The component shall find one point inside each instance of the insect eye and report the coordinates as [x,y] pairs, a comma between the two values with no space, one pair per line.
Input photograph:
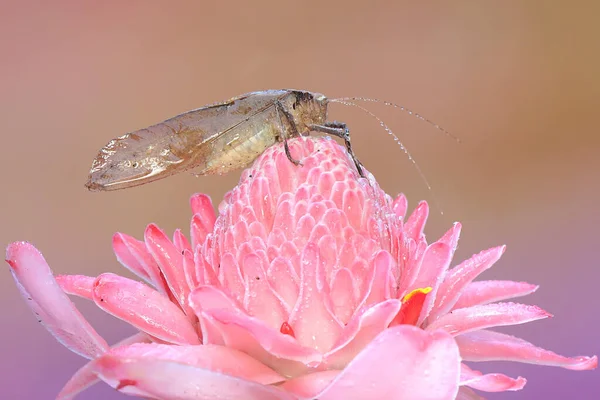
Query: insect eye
[294,105]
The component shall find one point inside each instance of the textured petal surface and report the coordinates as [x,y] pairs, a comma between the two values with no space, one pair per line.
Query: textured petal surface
[418,365]
[487,345]
[144,308]
[480,317]
[460,276]
[86,376]
[489,382]
[49,303]
[484,292]
[215,358]
[175,381]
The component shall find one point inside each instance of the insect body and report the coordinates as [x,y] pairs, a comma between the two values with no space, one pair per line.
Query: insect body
[214,139]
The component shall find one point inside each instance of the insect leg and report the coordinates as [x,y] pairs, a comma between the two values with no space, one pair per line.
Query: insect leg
[279,107]
[340,130]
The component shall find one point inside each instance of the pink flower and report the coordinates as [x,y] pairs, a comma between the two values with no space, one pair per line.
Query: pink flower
[309,284]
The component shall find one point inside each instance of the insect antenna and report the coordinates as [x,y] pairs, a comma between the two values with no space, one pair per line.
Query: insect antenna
[401,108]
[347,102]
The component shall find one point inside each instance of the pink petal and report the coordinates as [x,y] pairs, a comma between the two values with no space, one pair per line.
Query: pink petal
[77,285]
[189,271]
[144,308]
[416,222]
[271,347]
[465,393]
[49,303]
[85,377]
[436,261]
[487,345]
[400,205]
[202,207]
[479,317]
[489,382]
[172,380]
[313,322]
[260,300]
[343,294]
[309,385]
[180,241]
[360,331]
[485,292]
[215,358]
[134,256]
[170,262]
[460,276]
[250,335]
[403,362]
[379,286]
[451,237]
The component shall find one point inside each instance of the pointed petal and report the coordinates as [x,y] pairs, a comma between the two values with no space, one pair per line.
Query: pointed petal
[171,380]
[144,308]
[85,377]
[460,276]
[381,266]
[202,206]
[180,241]
[436,261]
[260,300]
[485,292]
[360,331]
[400,205]
[489,382]
[479,317]
[426,366]
[247,334]
[134,256]
[170,262]
[487,345]
[314,324]
[416,222]
[49,303]
[77,285]
[211,357]
[451,237]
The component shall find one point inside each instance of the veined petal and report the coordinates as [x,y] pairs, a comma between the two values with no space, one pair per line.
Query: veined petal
[144,308]
[49,303]
[419,365]
[489,382]
[487,345]
[479,317]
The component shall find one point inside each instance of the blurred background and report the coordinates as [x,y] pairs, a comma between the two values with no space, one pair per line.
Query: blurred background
[517,81]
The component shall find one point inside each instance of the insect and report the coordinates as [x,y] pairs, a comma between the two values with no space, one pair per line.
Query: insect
[214,139]
[222,137]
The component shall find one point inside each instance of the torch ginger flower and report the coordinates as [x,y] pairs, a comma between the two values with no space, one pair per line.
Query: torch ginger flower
[309,284]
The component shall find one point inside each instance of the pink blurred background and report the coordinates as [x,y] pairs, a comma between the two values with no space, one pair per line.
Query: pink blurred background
[517,81]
